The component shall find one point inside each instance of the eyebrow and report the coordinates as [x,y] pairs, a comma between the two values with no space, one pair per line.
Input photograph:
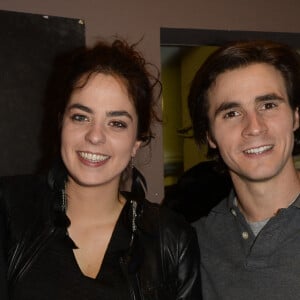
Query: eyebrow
[266,97]
[225,106]
[229,105]
[81,107]
[119,113]
[113,113]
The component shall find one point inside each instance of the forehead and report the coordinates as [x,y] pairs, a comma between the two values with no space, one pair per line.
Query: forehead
[99,77]
[99,87]
[247,82]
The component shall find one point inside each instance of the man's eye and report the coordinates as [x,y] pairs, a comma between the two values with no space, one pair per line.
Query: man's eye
[118,124]
[231,114]
[269,105]
[79,118]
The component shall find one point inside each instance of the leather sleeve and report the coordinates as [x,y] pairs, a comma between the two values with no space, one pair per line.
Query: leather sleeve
[170,270]
[181,255]
[189,283]
[3,247]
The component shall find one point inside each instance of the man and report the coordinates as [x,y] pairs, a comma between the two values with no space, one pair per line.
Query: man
[244,101]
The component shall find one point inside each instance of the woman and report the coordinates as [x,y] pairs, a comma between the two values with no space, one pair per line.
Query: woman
[73,234]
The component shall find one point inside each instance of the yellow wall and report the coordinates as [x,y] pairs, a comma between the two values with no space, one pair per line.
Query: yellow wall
[189,65]
[176,78]
[172,143]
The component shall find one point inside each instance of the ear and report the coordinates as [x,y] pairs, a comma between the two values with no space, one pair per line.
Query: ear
[296,119]
[210,140]
[136,146]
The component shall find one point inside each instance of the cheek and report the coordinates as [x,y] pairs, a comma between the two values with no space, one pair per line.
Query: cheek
[135,148]
[210,136]
[63,129]
[211,140]
[64,136]
[284,127]
[224,140]
[296,120]
[216,137]
[69,136]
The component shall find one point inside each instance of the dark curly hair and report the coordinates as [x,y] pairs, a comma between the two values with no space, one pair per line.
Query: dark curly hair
[73,70]
[122,60]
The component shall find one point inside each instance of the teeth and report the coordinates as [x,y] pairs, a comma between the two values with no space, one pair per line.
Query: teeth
[258,150]
[93,157]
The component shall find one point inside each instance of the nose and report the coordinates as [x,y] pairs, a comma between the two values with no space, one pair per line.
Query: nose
[254,124]
[95,134]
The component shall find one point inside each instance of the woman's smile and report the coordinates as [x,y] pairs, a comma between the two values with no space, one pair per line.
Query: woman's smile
[93,160]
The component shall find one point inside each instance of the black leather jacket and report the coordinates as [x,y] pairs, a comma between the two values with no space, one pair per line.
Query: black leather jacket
[166,268]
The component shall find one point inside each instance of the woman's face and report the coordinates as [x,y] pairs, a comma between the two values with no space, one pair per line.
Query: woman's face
[99,132]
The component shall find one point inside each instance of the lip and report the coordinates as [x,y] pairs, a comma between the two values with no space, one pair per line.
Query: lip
[259,150]
[92,159]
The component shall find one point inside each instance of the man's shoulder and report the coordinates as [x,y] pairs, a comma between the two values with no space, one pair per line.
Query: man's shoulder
[213,221]
[217,211]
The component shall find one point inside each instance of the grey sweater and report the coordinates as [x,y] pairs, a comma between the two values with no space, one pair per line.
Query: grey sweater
[236,264]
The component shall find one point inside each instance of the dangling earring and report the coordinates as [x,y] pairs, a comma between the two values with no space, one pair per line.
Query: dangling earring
[138,183]
[132,162]
[64,199]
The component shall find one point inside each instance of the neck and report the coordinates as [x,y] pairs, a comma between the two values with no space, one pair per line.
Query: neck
[100,203]
[262,200]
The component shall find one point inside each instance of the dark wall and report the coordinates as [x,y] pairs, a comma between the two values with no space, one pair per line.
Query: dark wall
[29,45]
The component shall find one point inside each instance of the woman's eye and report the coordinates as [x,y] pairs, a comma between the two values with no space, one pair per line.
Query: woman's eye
[118,124]
[79,118]
[231,114]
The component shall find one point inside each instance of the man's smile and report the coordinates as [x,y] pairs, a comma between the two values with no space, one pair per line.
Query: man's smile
[259,150]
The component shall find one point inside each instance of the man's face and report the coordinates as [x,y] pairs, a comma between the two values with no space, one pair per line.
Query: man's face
[251,122]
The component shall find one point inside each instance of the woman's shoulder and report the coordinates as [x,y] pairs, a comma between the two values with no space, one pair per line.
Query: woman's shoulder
[176,235]
[157,217]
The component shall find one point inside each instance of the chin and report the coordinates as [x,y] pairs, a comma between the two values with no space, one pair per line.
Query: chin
[85,181]
[262,177]
[255,175]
